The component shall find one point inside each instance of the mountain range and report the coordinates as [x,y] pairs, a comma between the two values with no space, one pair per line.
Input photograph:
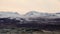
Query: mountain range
[32,19]
[39,14]
[31,13]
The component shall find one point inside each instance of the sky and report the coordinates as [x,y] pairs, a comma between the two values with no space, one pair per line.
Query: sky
[24,6]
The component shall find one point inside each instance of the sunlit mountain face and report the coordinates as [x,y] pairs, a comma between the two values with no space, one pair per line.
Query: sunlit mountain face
[32,19]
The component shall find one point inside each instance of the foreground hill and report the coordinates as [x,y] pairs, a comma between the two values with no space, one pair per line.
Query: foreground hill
[34,24]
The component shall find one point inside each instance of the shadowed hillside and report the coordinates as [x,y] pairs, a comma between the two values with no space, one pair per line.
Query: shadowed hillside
[30,23]
[41,23]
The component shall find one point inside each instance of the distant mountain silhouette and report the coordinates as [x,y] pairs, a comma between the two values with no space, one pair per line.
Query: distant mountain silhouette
[8,14]
[39,14]
[32,13]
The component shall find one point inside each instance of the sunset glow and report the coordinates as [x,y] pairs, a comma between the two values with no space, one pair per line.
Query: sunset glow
[24,6]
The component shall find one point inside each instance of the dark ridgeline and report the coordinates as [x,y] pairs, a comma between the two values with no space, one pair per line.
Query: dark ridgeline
[34,23]
[8,23]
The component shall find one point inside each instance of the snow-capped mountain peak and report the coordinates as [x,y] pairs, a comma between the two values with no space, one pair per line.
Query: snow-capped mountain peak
[39,14]
[9,14]
[33,13]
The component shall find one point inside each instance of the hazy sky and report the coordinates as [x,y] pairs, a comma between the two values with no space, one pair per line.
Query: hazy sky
[23,6]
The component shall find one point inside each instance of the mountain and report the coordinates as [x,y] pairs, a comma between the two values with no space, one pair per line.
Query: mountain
[9,14]
[32,13]
[39,14]
[39,23]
